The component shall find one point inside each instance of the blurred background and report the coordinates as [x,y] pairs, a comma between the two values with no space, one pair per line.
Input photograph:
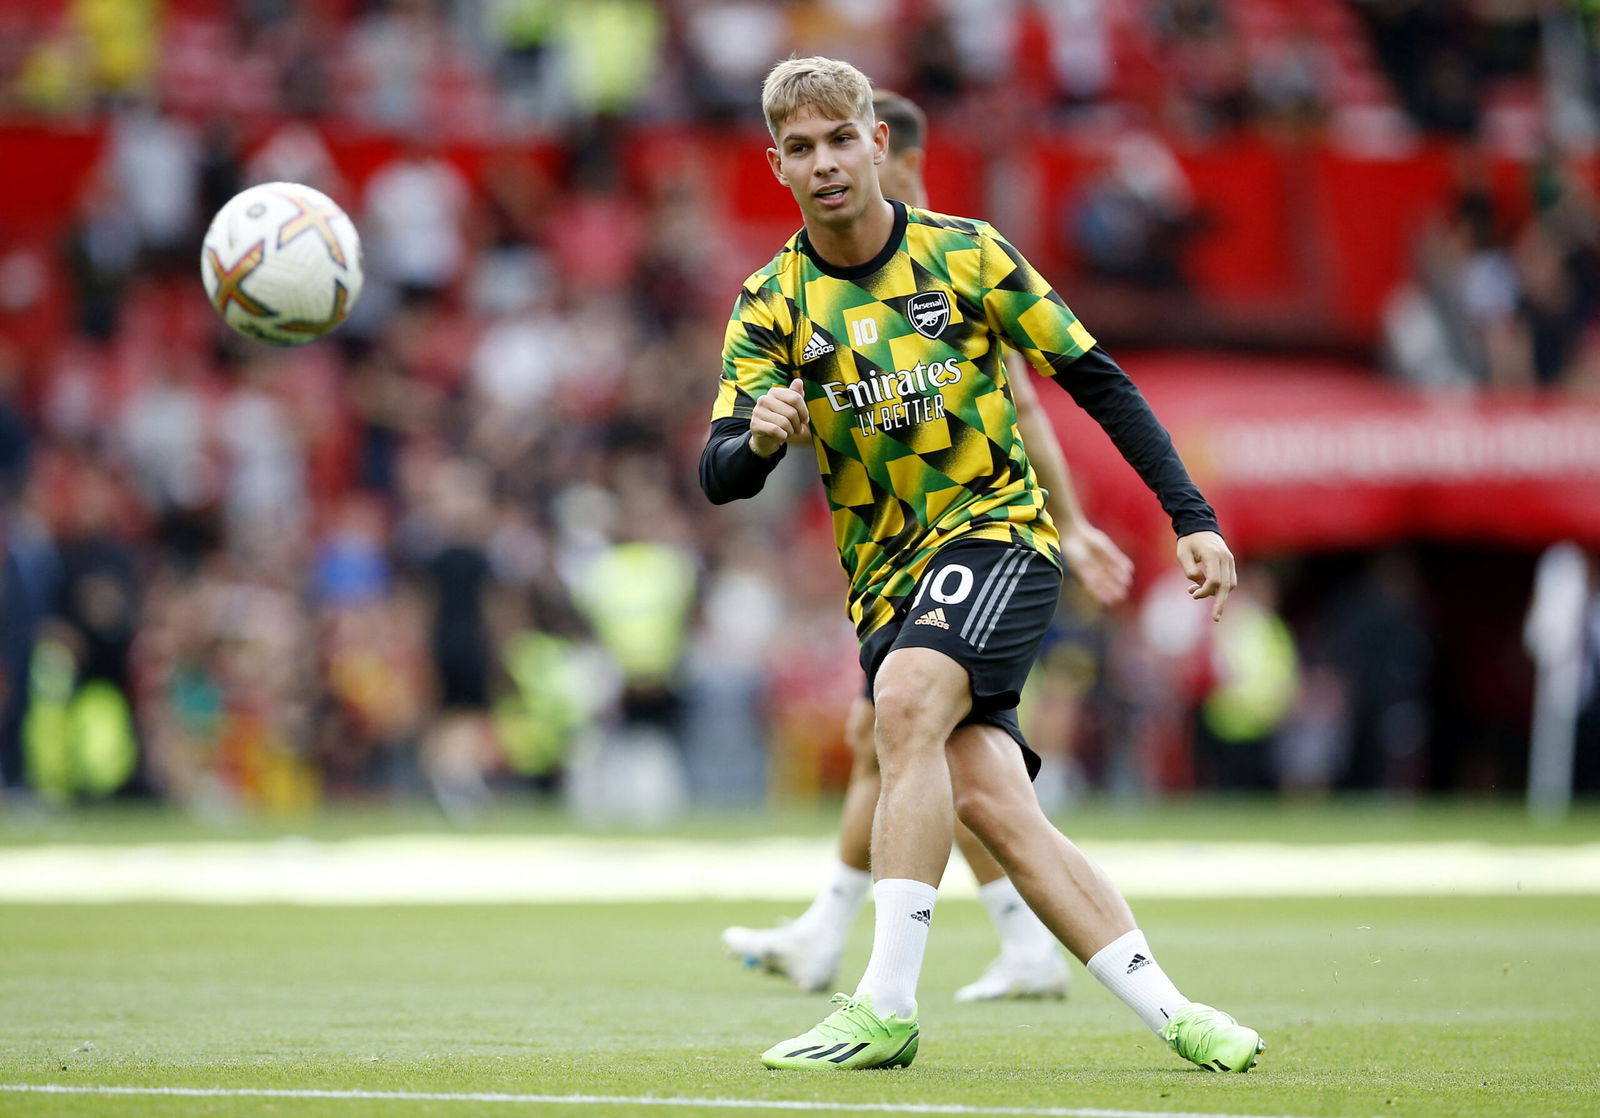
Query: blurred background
[456,555]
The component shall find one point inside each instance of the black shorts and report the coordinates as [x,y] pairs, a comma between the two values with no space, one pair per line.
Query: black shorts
[986,605]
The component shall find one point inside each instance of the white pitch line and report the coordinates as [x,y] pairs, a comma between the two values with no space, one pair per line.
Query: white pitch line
[419,869]
[617,1100]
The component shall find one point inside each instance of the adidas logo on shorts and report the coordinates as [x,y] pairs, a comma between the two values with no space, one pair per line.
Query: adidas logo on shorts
[933,617]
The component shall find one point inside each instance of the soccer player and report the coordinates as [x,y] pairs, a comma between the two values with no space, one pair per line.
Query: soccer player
[1030,963]
[878,330]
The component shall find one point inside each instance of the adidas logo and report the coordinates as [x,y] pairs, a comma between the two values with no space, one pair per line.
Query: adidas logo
[815,348]
[933,617]
[926,916]
[1136,962]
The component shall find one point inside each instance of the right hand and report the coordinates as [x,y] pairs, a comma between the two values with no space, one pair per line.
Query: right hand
[780,415]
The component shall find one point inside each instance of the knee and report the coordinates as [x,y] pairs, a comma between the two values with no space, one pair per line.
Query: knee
[903,724]
[920,695]
[896,707]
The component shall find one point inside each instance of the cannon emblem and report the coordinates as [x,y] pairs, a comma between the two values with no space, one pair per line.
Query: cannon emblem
[929,312]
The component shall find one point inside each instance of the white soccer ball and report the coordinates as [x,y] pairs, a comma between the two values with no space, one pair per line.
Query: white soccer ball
[282,263]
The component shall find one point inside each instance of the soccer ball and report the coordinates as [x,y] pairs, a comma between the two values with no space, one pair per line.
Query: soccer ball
[282,263]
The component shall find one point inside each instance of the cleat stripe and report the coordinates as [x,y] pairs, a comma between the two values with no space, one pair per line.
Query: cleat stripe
[799,1052]
[843,1056]
[827,1051]
[903,1047]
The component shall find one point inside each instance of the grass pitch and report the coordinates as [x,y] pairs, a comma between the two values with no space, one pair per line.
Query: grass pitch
[1471,1006]
[1371,1006]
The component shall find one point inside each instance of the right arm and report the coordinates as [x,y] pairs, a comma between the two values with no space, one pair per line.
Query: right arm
[740,454]
[759,408]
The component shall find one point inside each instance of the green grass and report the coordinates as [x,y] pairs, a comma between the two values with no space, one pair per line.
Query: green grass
[1470,1006]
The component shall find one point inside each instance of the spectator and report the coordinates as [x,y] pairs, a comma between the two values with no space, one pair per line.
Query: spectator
[1134,217]
[446,544]
[95,617]
[415,208]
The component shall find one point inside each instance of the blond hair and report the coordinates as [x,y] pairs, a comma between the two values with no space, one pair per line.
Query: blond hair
[835,89]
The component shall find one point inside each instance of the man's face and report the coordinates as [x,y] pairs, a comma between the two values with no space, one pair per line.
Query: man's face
[830,165]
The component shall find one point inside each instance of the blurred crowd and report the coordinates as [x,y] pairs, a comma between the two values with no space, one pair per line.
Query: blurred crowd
[458,548]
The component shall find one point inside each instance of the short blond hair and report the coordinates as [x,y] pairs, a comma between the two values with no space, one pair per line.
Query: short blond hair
[835,89]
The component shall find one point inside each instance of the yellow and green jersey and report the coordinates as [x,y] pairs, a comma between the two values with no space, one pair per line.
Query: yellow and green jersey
[912,416]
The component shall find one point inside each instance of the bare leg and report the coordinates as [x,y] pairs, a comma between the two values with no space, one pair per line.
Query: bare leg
[921,695]
[1076,901]
[1079,903]
[1030,964]
[861,796]
[981,862]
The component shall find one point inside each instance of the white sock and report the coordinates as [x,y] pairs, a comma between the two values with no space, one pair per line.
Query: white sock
[1127,967]
[899,939]
[1021,932]
[833,911]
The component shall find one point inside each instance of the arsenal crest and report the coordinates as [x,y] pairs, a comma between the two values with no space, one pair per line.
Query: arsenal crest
[929,312]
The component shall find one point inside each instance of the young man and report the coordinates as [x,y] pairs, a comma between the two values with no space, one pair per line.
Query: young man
[807,951]
[878,330]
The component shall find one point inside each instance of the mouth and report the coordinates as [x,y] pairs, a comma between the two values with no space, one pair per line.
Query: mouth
[832,194]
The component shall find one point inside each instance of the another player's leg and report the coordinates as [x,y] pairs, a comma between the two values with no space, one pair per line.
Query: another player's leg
[921,695]
[1079,903]
[807,950]
[1030,963]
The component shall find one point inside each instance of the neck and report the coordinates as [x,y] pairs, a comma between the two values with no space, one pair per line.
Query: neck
[857,242]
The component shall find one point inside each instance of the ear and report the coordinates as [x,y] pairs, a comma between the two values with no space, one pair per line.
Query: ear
[775,161]
[880,141]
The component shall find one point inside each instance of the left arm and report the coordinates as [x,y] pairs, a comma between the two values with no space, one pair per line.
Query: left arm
[1099,386]
[1025,309]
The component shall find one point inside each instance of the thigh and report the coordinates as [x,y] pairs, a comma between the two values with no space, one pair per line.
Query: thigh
[985,606]
[986,763]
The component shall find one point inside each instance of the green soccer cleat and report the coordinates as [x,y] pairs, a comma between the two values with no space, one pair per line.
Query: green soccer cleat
[850,1038]
[1212,1039]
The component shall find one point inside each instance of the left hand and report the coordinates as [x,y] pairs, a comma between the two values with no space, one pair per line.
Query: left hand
[1098,562]
[1208,564]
